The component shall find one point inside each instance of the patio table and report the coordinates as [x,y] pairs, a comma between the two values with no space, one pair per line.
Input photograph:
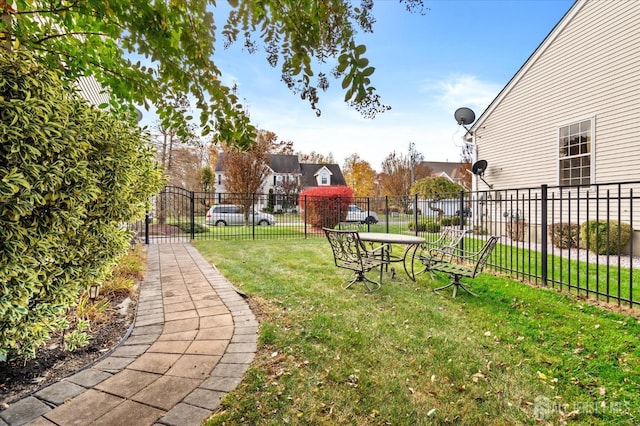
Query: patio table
[411,242]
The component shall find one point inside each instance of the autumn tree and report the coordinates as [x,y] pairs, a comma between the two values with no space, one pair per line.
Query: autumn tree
[316,158]
[435,189]
[359,176]
[415,158]
[185,168]
[245,170]
[176,42]
[466,158]
[395,177]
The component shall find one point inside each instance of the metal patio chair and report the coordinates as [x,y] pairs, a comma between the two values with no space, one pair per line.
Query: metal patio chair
[462,264]
[349,252]
[448,241]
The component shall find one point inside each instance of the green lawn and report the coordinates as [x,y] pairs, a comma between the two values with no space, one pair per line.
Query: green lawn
[406,355]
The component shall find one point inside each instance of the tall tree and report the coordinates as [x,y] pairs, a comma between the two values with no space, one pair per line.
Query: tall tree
[245,170]
[395,177]
[176,42]
[466,158]
[415,158]
[359,176]
[435,189]
[316,158]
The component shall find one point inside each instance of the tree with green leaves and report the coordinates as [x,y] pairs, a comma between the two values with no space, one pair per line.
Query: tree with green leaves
[435,189]
[176,42]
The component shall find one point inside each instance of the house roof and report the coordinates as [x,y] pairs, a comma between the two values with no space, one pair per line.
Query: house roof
[440,168]
[309,172]
[284,163]
[289,164]
[549,39]
[277,163]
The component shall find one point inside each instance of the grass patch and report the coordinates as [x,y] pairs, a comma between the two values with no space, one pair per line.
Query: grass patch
[405,355]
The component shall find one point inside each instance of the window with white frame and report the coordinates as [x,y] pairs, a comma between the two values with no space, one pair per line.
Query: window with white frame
[575,148]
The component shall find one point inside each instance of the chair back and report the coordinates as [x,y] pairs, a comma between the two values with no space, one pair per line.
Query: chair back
[450,238]
[484,253]
[347,248]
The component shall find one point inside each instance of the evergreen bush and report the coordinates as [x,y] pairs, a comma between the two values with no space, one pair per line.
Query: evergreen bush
[70,175]
[601,237]
[426,226]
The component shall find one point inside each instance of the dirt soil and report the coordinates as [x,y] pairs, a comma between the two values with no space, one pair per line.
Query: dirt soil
[22,377]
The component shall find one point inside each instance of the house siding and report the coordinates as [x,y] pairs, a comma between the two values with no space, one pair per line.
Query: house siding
[588,69]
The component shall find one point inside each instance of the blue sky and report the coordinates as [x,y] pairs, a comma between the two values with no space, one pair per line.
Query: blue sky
[460,53]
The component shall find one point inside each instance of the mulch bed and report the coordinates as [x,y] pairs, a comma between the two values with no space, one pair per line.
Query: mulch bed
[22,377]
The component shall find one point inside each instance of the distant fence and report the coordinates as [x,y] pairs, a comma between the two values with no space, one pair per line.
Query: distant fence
[541,228]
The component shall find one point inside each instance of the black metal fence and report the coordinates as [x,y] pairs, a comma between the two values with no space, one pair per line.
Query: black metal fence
[579,239]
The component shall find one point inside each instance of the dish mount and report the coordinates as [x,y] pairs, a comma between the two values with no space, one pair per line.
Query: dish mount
[464,116]
[478,169]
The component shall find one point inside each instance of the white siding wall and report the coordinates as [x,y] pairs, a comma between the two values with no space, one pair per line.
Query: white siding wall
[590,69]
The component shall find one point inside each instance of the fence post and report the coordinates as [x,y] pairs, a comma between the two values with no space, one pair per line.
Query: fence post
[192,207]
[461,218]
[386,209]
[146,228]
[544,236]
[253,216]
[415,213]
[304,201]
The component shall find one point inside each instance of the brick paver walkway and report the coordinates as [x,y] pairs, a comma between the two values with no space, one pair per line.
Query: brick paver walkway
[193,339]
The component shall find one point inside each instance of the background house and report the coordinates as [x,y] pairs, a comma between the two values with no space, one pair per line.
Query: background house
[452,171]
[287,178]
[570,114]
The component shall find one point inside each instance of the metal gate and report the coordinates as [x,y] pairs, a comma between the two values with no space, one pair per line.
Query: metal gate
[174,215]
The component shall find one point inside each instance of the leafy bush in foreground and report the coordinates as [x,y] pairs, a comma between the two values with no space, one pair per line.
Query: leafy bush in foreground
[70,175]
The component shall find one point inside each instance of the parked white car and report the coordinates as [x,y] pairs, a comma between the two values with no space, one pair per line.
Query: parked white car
[229,214]
[356,214]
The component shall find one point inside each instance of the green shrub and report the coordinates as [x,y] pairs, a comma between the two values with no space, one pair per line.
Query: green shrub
[452,221]
[564,235]
[426,226]
[602,237]
[70,174]
[325,206]
[186,227]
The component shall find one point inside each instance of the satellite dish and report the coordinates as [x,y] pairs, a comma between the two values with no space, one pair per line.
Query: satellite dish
[464,116]
[479,167]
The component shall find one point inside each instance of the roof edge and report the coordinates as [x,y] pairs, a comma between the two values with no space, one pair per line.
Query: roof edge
[544,45]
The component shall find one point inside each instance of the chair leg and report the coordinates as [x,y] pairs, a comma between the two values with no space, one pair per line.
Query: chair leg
[456,284]
[360,277]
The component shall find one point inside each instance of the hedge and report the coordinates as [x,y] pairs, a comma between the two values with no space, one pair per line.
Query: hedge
[325,206]
[602,237]
[70,175]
